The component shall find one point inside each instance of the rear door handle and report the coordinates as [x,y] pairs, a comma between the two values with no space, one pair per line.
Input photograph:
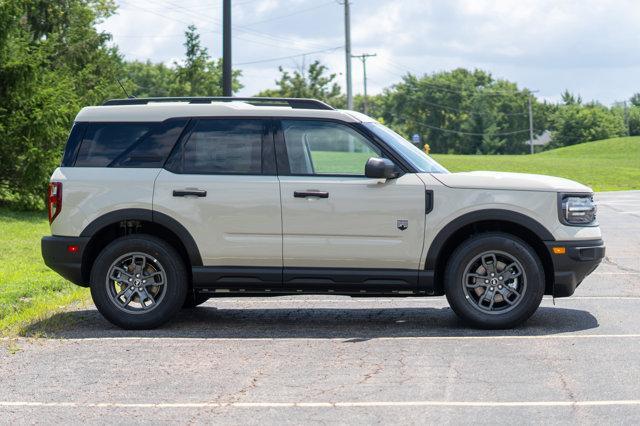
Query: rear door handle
[189,192]
[305,194]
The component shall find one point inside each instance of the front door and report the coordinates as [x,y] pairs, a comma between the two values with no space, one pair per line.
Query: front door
[333,217]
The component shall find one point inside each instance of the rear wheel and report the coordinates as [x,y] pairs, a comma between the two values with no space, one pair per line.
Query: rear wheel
[138,282]
[494,280]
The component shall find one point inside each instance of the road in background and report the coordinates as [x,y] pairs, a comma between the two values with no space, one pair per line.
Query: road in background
[342,360]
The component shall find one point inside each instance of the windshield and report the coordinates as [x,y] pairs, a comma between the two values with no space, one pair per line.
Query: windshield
[418,159]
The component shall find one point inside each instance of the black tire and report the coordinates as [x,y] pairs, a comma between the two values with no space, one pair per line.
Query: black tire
[465,287]
[168,300]
[193,300]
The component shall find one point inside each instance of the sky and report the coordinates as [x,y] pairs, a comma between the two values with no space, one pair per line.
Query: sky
[591,48]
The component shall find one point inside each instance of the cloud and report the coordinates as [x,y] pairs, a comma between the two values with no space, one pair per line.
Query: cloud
[588,46]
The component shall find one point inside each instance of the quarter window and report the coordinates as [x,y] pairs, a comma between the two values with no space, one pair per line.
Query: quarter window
[325,148]
[220,146]
[103,142]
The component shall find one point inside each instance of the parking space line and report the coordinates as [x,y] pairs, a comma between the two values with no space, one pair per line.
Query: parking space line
[615,273]
[339,339]
[354,404]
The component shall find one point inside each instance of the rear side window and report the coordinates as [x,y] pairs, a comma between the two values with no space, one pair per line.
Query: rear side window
[104,142]
[224,146]
[152,149]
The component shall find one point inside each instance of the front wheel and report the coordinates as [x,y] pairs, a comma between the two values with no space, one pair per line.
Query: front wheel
[494,280]
[138,282]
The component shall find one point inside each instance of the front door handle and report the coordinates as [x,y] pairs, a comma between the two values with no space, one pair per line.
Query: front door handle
[305,194]
[189,192]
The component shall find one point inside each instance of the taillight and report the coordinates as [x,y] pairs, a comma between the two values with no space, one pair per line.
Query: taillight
[54,200]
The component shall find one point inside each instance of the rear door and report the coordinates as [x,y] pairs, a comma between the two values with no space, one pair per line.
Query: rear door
[220,184]
[336,221]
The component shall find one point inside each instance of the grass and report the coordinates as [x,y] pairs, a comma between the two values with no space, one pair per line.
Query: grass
[340,162]
[607,165]
[29,291]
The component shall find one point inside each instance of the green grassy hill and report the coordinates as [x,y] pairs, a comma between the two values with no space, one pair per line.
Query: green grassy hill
[606,165]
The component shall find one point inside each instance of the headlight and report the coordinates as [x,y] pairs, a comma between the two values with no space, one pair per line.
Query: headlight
[578,210]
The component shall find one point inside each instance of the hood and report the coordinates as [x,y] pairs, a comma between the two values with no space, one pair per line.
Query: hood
[510,181]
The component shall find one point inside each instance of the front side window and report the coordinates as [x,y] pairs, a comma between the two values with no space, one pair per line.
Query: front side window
[224,146]
[326,148]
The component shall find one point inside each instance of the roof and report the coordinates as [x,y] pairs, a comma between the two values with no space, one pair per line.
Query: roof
[157,109]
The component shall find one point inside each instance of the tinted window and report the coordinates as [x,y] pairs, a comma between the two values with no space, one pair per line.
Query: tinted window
[317,147]
[220,146]
[73,143]
[103,142]
[152,149]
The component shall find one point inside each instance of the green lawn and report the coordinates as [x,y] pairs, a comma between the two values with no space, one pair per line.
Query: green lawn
[29,291]
[607,165]
[341,162]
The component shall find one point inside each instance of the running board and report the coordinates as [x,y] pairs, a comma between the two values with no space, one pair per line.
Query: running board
[280,281]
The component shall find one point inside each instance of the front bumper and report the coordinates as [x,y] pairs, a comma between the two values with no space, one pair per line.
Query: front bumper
[579,260]
[56,255]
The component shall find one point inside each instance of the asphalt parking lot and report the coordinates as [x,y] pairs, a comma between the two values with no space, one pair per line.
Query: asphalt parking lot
[320,359]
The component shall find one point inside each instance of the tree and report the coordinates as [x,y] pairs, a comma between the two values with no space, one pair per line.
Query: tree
[575,123]
[147,79]
[199,75]
[635,99]
[569,98]
[312,82]
[462,111]
[52,62]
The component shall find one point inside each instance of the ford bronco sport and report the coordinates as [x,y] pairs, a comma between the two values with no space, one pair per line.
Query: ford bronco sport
[162,203]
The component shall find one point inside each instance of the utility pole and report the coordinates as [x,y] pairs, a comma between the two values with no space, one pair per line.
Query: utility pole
[227,73]
[347,51]
[530,125]
[363,58]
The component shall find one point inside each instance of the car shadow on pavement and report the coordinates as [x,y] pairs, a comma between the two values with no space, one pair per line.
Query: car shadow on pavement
[355,324]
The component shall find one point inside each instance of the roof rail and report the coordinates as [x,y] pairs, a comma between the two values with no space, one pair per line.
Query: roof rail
[295,103]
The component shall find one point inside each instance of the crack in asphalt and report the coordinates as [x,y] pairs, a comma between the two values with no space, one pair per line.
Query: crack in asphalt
[611,262]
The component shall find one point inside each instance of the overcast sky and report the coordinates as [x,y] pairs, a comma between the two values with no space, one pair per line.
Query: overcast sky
[587,46]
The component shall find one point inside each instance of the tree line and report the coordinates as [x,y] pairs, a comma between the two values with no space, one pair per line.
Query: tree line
[53,62]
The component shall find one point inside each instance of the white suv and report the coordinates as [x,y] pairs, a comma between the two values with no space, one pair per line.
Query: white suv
[162,203]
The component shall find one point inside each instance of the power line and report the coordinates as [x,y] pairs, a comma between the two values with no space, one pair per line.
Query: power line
[472,133]
[157,13]
[289,57]
[275,18]
[248,32]
[453,89]
[216,22]
[508,114]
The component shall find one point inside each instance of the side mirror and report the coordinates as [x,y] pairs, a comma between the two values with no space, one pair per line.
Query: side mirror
[380,168]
